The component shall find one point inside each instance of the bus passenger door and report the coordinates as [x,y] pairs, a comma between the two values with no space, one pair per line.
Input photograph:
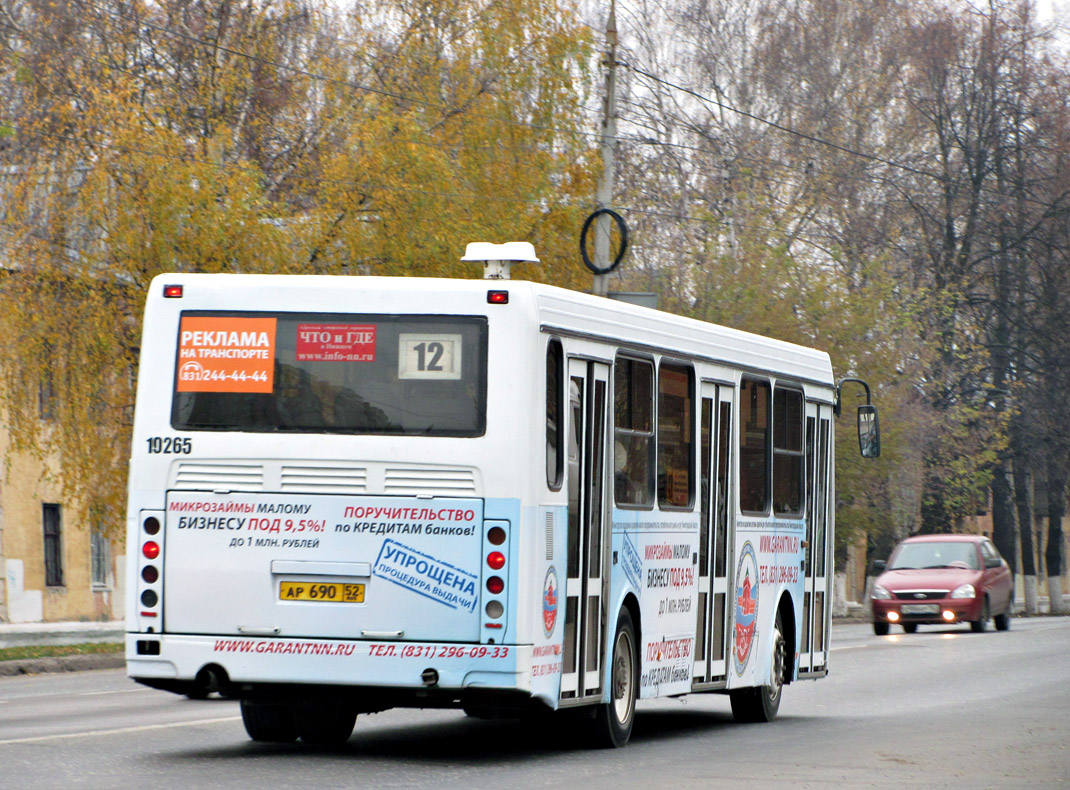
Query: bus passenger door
[585,620]
[714,533]
[813,645]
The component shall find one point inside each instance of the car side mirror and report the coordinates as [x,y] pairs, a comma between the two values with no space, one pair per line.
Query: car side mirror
[879,566]
[993,562]
[869,431]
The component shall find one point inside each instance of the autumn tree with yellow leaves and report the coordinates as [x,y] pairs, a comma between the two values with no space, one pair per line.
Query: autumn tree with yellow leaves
[279,136]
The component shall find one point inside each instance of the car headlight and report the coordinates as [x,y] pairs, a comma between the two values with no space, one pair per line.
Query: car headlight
[880,594]
[964,591]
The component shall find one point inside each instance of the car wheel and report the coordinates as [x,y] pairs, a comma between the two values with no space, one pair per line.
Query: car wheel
[977,626]
[762,703]
[1002,621]
[910,628]
[614,720]
[880,628]
[265,721]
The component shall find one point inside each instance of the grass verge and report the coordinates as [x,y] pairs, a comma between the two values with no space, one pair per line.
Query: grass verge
[50,651]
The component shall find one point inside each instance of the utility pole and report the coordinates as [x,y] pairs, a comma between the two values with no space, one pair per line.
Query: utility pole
[604,195]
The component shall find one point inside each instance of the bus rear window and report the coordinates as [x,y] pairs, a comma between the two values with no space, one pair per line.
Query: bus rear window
[331,373]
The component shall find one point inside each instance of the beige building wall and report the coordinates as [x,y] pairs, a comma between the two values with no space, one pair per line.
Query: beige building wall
[26,484]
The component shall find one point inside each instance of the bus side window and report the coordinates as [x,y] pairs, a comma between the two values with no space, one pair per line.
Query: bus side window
[787,452]
[675,414]
[633,446]
[555,448]
[754,446]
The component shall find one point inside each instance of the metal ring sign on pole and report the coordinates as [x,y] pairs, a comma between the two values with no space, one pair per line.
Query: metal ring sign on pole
[619,220]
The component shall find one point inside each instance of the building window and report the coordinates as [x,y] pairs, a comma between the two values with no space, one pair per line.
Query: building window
[46,397]
[53,544]
[100,550]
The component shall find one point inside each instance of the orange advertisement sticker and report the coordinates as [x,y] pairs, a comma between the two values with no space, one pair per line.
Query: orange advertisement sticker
[226,354]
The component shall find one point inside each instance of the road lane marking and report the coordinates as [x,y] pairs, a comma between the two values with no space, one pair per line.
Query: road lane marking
[45,695]
[118,731]
[119,691]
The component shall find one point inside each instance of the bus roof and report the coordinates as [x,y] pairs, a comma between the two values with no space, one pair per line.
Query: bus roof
[559,310]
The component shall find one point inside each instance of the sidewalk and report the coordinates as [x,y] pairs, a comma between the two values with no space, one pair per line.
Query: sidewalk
[32,634]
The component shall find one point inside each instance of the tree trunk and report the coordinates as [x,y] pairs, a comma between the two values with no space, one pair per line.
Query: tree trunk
[1053,556]
[1023,494]
[1003,525]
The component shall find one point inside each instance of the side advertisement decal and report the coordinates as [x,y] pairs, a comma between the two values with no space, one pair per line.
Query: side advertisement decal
[549,603]
[747,587]
[666,565]
[547,610]
[770,555]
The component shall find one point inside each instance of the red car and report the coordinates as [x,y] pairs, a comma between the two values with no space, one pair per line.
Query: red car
[943,579]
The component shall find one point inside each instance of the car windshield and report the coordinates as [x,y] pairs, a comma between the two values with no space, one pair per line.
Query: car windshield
[935,555]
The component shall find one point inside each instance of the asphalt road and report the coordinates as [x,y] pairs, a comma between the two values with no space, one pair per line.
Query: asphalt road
[940,708]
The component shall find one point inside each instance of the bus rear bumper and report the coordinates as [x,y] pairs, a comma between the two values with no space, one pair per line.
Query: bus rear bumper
[238,666]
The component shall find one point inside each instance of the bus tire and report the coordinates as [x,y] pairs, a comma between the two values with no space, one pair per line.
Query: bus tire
[325,725]
[761,704]
[269,722]
[614,719]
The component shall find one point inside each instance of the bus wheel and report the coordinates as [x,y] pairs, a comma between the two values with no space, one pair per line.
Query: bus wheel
[613,721]
[762,703]
[325,725]
[271,722]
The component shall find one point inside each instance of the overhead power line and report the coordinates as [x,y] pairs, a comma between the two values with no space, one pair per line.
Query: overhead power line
[780,127]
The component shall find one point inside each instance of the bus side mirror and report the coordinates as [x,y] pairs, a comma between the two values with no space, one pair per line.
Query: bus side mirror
[869,431]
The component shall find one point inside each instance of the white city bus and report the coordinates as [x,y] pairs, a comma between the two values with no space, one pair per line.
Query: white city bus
[355,493]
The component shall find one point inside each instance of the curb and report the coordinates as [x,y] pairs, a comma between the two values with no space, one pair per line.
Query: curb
[82,663]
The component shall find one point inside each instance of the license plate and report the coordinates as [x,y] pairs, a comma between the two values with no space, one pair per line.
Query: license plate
[921,608]
[330,592]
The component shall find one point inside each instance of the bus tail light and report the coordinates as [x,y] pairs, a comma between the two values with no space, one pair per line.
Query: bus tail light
[150,586]
[495,585]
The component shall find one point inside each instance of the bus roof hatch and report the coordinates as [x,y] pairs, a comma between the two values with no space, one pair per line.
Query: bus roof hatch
[497,258]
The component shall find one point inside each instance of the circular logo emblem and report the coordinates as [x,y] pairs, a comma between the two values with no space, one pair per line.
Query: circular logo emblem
[746,606]
[549,602]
